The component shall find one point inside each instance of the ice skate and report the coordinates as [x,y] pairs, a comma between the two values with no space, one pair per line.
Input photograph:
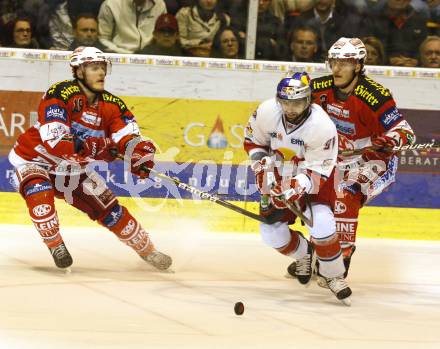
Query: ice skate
[291,271]
[305,265]
[338,285]
[158,260]
[61,256]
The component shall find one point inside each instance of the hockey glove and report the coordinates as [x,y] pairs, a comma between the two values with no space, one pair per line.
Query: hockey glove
[142,159]
[289,192]
[382,147]
[99,148]
[264,174]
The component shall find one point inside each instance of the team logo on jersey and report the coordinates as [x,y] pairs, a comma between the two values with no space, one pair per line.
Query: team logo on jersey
[296,141]
[41,210]
[340,207]
[279,136]
[323,101]
[91,119]
[344,127]
[389,117]
[37,188]
[113,217]
[77,104]
[128,229]
[55,112]
[337,111]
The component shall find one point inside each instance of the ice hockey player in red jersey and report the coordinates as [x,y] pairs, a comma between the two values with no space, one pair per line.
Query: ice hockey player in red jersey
[79,122]
[366,117]
[293,147]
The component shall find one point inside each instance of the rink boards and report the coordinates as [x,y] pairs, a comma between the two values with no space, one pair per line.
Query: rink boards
[196,117]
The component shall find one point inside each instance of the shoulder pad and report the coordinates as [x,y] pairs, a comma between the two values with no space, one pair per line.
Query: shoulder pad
[63,90]
[110,98]
[322,83]
[372,93]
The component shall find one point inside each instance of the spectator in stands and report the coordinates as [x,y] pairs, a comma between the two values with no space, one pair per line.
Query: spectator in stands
[165,38]
[60,27]
[227,44]
[270,42]
[126,26]
[85,32]
[20,35]
[198,25]
[289,9]
[331,19]
[303,44]
[375,51]
[430,52]
[401,30]
[237,10]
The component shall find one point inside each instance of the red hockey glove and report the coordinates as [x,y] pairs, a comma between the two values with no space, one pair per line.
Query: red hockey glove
[99,148]
[264,174]
[142,159]
[289,191]
[382,148]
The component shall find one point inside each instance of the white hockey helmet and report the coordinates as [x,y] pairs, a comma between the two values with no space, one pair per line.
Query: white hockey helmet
[348,48]
[84,55]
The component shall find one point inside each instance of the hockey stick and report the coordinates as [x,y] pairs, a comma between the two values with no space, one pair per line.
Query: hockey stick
[419,146]
[201,194]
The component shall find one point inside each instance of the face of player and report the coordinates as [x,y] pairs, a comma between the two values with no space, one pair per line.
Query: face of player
[94,75]
[430,54]
[229,44]
[86,31]
[292,108]
[22,33]
[343,71]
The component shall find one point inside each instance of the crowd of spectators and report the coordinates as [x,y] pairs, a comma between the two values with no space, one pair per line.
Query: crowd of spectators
[395,32]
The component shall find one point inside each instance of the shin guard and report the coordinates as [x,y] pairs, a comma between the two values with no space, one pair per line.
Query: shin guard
[40,200]
[128,230]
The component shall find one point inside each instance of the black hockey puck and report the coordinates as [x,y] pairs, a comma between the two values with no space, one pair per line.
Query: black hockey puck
[239,308]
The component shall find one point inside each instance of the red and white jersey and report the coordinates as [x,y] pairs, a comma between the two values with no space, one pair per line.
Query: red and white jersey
[369,111]
[311,145]
[65,119]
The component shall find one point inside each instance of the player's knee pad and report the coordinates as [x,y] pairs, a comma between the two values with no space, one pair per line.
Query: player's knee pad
[29,172]
[275,235]
[323,221]
[119,221]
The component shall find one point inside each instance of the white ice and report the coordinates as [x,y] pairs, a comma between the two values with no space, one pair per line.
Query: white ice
[112,299]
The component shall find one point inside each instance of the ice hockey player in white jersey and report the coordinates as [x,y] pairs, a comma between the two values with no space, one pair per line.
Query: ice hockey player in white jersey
[293,146]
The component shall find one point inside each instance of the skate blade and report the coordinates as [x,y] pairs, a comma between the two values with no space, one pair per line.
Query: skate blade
[346,301]
[67,271]
[288,276]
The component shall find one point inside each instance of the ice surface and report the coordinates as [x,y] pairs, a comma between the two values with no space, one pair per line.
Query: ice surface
[112,299]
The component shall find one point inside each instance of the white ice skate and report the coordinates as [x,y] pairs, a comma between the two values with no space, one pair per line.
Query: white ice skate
[338,285]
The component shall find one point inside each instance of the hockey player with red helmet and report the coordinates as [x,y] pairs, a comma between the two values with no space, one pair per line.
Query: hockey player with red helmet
[293,146]
[366,117]
[79,122]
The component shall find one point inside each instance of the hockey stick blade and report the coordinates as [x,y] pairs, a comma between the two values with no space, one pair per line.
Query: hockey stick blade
[417,146]
[201,194]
